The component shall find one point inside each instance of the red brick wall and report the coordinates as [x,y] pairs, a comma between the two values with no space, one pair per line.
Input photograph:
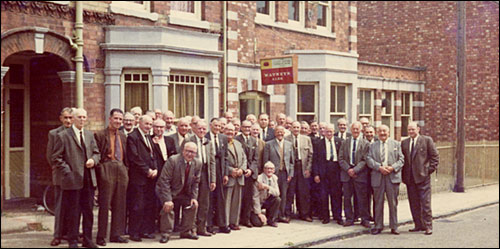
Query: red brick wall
[424,34]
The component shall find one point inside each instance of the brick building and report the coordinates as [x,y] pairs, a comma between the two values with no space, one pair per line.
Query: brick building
[423,34]
[173,55]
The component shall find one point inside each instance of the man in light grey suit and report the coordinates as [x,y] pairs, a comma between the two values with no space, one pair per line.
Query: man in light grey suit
[303,153]
[280,153]
[66,119]
[236,164]
[386,160]
[76,153]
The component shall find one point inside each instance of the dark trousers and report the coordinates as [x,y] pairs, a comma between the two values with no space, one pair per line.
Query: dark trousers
[112,184]
[59,215]
[283,186]
[247,199]
[299,189]
[203,201]
[188,216]
[350,190]
[76,202]
[271,205]
[315,197]
[217,206]
[331,187]
[419,196]
[143,210]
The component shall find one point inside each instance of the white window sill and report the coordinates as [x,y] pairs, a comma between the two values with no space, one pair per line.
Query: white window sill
[269,22]
[182,21]
[133,12]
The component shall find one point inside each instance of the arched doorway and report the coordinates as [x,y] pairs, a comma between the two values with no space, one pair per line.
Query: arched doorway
[33,99]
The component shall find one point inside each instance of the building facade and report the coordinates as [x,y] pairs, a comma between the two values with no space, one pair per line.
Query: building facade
[191,57]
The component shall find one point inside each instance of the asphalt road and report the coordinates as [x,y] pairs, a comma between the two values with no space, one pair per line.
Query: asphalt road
[477,228]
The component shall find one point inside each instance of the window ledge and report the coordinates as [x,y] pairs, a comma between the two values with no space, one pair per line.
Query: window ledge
[268,22]
[133,12]
[188,22]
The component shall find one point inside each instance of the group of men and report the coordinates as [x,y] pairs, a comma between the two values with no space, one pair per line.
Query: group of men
[201,178]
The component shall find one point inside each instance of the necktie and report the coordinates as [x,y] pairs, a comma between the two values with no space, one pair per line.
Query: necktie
[353,151]
[202,149]
[84,147]
[216,144]
[186,174]
[118,148]
[296,148]
[148,143]
[382,156]
[412,149]
[331,150]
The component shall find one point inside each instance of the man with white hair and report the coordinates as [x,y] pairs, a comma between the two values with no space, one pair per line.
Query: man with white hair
[137,112]
[267,197]
[251,118]
[128,123]
[342,133]
[168,117]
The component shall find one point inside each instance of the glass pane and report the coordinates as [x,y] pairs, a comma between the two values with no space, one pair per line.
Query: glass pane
[145,77]
[263,7]
[341,98]
[368,102]
[184,94]
[137,77]
[333,99]
[406,103]
[293,10]
[136,95]
[186,6]
[16,74]
[388,108]
[171,99]
[128,77]
[321,15]
[16,100]
[307,118]
[386,121]
[404,126]
[334,119]
[306,96]
[200,101]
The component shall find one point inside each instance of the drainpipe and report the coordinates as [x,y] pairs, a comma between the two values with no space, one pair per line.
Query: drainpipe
[78,59]
[224,47]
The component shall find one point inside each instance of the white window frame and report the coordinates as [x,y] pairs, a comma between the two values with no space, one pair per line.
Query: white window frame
[335,113]
[173,84]
[406,115]
[267,19]
[391,115]
[316,100]
[361,107]
[183,18]
[133,9]
[328,28]
[123,84]
[301,23]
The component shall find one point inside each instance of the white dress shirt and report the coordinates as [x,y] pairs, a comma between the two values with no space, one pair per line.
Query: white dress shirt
[328,145]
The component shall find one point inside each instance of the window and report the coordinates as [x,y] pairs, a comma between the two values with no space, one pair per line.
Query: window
[140,9]
[137,88]
[186,94]
[324,21]
[263,7]
[406,112]
[187,13]
[306,101]
[338,103]
[296,13]
[265,12]
[388,110]
[365,104]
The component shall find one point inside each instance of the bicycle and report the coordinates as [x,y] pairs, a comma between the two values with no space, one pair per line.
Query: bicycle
[49,199]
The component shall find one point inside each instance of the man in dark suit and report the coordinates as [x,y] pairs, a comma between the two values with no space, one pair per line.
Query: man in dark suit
[76,154]
[326,172]
[112,179]
[217,208]
[280,152]
[142,174]
[249,144]
[179,182]
[342,133]
[66,119]
[181,134]
[421,159]
[354,176]
[128,123]
[386,160]
[207,177]
[267,133]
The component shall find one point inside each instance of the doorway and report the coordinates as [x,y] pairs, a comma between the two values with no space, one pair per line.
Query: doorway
[253,102]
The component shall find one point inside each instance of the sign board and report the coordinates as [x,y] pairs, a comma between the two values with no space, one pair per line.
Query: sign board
[279,70]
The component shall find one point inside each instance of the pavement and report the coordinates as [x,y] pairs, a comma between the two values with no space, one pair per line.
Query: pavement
[296,234]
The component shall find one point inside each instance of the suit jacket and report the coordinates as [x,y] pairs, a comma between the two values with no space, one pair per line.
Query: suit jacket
[306,151]
[209,152]
[395,159]
[261,144]
[424,159]
[175,137]
[269,135]
[360,168]
[220,153]
[173,176]
[272,153]
[348,134]
[250,149]
[69,159]
[56,175]
[103,143]
[139,158]
[319,156]
[236,159]
[171,150]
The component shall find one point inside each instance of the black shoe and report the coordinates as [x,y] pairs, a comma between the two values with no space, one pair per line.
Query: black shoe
[164,239]
[247,224]
[89,244]
[348,223]
[100,241]
[416,229]
[188,236]
[147,236]
[136,238]
[284,220]
[211,230]
[224,230]
[340,222]
[55,242]
[73,244]
[376,231]
[118,239]
[428,231]
[395,231]
[204,234]
[366,224]
[272,224]
[325,221]
[234,227]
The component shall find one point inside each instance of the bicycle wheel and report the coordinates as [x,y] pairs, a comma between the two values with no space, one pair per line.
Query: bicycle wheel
[49,199]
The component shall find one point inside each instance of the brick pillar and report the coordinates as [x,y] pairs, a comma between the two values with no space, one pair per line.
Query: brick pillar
[69,86]
[377,115]
[353,26]
[397,115]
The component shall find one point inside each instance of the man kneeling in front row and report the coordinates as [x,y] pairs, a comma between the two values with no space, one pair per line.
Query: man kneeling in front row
[267,197]
[178,183]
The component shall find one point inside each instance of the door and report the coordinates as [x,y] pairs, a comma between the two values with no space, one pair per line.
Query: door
[253,102]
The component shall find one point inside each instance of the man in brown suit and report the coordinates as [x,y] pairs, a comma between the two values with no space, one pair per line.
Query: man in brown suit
[178,183]
[75,156]
[112,179]
[421,159]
